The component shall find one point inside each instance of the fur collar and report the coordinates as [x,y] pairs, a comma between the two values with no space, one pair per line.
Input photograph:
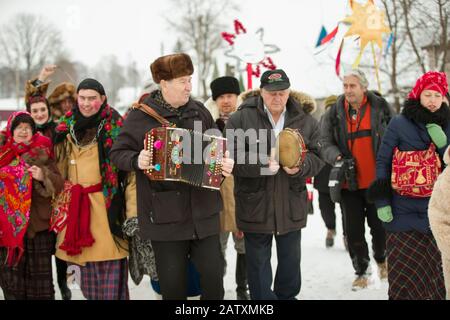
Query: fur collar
[413,110]
[307,102]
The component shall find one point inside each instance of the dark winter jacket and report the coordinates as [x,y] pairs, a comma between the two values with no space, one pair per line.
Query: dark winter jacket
[406,131]
[167,211]
[322,179]
[272,203]
[334,131]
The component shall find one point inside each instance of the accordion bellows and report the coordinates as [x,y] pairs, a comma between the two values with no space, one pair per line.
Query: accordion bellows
[183,155]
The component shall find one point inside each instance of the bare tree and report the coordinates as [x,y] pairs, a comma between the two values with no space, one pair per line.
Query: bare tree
[199,26]
[112,75]
[133,77]
[420,31]
[27,42]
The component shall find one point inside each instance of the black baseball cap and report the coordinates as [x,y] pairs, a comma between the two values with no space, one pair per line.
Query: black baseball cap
[275,80]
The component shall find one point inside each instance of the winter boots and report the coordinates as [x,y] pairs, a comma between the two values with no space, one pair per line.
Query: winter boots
[361,282]
[329,240]
[241,278]
[61,272]
[382,270]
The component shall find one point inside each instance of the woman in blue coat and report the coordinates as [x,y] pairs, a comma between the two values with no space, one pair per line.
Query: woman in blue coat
[414,261]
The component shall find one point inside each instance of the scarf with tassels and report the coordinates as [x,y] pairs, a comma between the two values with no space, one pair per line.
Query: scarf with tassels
[16,189]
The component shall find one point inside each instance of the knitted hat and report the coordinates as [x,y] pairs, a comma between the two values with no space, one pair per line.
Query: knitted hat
[91,84]
[224,85]
[431,80]
[330,101]
[171,67]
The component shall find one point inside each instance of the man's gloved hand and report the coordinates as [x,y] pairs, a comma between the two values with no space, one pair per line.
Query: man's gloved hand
[385,214]
[437,135]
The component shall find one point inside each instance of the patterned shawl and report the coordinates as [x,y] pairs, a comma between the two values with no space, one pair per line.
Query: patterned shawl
[15,189]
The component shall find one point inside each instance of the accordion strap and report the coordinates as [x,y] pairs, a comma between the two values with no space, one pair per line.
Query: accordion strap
[152,113]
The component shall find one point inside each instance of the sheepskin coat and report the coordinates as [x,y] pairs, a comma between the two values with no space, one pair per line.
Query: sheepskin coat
[439,215]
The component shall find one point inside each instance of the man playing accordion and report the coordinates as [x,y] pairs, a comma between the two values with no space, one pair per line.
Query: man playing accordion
[181,220]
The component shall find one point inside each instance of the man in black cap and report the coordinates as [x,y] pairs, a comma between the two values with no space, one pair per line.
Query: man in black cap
[272,201]
[91,237]
[223,103]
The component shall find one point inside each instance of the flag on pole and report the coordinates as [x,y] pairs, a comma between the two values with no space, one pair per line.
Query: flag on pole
[323,34]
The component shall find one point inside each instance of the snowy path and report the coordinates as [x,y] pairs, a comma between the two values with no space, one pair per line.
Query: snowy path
[327,274]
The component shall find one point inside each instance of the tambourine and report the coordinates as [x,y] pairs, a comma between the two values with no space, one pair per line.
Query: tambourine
[291,148]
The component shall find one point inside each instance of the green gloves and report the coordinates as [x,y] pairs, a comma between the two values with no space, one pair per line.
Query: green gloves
[385,214]
[437,135]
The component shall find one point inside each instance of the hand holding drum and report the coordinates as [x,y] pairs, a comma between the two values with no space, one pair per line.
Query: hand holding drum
[291,150]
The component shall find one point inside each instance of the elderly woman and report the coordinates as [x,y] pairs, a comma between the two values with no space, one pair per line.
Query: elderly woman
[28,180]
[409,161]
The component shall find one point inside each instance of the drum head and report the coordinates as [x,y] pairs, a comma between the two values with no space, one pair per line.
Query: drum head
[289,148]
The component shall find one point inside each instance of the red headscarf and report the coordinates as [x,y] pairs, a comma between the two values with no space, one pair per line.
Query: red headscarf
[11,149]
[15,188]
[432,80]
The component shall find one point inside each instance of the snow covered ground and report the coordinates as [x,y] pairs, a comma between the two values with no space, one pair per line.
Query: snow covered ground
[327,274]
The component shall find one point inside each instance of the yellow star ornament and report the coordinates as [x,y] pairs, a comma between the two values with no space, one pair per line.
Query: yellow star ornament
[367,22]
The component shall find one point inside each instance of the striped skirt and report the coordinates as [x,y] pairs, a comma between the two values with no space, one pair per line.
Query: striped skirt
[32,278]
[414,267]
[105,280]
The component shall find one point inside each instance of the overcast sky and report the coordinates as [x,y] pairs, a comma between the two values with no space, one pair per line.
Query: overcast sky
[134,30]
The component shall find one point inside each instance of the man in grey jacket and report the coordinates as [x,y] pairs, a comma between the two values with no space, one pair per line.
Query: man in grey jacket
[270,200]
[351,132]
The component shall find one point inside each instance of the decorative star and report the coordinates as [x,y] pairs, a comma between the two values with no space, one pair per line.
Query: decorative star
[367,22]
[250,48]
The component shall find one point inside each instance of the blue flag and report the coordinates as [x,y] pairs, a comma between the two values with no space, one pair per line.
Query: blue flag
[323,34]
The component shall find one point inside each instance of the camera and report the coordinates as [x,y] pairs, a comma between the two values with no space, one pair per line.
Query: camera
[343,170]
[350,174]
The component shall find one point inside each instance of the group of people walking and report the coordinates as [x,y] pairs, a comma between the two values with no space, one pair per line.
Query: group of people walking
[74,185]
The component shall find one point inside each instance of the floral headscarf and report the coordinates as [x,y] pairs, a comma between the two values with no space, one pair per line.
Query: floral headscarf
[15,188]
[432,80]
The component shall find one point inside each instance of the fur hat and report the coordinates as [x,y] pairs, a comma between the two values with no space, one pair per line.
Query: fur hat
[171,67]
[35,94]
[224,85]
[63,91]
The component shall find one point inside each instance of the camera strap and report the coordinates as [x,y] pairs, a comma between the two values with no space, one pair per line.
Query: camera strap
[353,135]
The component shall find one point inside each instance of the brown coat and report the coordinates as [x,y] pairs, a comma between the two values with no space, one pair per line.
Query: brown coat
[82,167]
[228,214]
[42,194]
[167,211]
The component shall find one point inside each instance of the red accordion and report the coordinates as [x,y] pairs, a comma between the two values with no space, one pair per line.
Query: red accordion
[183,155]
